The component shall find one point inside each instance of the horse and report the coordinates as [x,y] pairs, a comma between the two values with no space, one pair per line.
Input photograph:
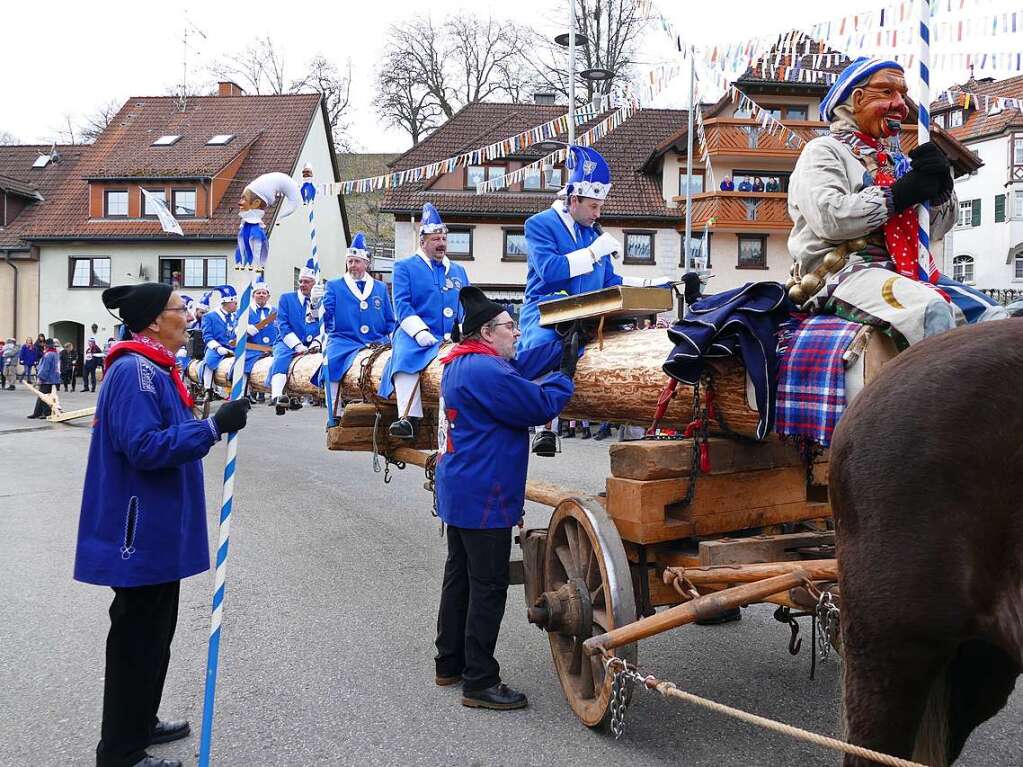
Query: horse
[926,486]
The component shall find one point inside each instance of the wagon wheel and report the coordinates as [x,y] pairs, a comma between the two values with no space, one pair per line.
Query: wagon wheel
[589,591]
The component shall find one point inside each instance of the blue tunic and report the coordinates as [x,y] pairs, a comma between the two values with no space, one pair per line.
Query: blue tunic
[218,330]
[260,344]
[354,316]
[143,516]
[425,295]
[550,236]
[297,324]
[489,404]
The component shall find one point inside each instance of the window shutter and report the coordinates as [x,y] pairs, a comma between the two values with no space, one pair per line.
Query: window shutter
[976,213]
[999,208]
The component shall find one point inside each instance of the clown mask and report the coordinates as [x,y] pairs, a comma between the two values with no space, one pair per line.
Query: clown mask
[879,106]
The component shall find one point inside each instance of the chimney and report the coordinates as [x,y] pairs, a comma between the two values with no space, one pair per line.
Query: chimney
[228,88]
[544,99]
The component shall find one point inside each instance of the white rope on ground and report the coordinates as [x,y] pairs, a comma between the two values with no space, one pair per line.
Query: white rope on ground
[669,690]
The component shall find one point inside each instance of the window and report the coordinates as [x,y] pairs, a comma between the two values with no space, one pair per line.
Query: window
[1018,268]
[553,178]
[184,203]
[939,120]
[962,269]
[776,180]
[699,256]
[795,113]
[752,251]
[1017,204]
[166,140]
[514,245]
[639,247]
[88,272]
[220,139]
[148,207]
[460,243]
[955,118]
[41,161]
[965,213]
[193,272]
[533,181]
[115,204]
[1017,150]
[476,174]
[695,182]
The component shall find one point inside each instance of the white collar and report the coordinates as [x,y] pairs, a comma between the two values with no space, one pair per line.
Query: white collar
[302,297]
[565,216]
[366,291]
[429,261]
[253,216]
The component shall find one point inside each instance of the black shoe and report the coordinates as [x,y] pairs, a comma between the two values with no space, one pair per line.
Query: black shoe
[444,680]
[155,761]
[571,433]
[601,434]
[403,428]
[500,697]
[735,614]
[545,443]
[281,404]
[33,416]
[296,403]
[586,433]
[165,732]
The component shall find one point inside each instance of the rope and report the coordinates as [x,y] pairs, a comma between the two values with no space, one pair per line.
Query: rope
[670,690]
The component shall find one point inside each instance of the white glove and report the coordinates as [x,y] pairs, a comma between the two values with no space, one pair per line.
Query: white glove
[314,347]
[316,294]
[605,245]
[425,338]
[300,349]
[252,330]
[223,351]
[656,282]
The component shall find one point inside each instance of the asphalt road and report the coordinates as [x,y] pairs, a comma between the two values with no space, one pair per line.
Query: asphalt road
[326,658]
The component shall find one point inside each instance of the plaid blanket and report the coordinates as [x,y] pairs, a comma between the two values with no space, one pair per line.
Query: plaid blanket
[811,381]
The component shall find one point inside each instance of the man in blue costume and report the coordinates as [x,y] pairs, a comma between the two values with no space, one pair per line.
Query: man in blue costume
[143,518]
[488,403]
[261,330]
[298,332]
[357,312]
[218,328]
[569,254]
[426,307]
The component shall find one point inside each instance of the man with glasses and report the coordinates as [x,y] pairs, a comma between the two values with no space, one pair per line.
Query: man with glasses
[488,403]
[425,290]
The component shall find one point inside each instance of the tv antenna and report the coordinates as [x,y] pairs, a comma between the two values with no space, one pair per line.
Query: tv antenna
[189,29]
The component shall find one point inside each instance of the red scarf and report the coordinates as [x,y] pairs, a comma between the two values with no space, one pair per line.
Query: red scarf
[154,352]
[472,346]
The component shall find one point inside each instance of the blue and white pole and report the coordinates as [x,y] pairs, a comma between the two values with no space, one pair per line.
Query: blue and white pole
[309,199]
[923,135]
[220,583]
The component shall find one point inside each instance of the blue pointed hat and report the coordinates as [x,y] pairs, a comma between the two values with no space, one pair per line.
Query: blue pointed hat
[589,175]
[358,247]
[431,221]
[308,271]
[227,293]
[187,299]
[205,300]
[852,77]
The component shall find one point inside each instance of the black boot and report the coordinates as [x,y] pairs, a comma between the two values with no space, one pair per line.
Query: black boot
[281,404]
[545,443]
[586,433]
[500,697]
[165,732]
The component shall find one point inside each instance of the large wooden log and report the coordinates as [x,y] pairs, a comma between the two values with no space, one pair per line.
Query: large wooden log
[619,383]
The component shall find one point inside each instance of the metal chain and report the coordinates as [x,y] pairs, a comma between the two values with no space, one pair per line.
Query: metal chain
[619,702]
[699,435]
[827,614]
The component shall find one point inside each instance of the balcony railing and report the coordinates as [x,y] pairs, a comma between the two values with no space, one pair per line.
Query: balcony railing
[751,211]
[735,136]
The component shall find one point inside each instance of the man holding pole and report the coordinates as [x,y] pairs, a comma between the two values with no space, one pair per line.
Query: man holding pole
[260,331]
[489,403]
[298,333]
[218,327]
[143,520]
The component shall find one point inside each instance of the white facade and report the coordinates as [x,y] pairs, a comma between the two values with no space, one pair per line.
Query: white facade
[988,255]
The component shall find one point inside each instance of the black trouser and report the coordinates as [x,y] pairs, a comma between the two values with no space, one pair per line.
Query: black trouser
[472,605]
[42,410]
[142,621]
[89,374]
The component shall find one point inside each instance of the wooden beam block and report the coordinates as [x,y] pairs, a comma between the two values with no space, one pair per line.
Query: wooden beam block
[653,459]
[759,548]
[642,501]
[654,532]
[740,491]
[745,519]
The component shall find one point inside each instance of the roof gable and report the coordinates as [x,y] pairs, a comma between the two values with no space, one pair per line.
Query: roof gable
[980,122]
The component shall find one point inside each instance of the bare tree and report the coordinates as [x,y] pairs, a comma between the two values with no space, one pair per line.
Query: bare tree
[95,123]
[8,139]
[323,77]
[258,68]
[402,100]
[613,28]
[486,55]
[422,47]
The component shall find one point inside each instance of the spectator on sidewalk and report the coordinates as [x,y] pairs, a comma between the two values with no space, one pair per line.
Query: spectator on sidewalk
[28,358]
[49,376]
[68,360]
[93,358]
[9,364]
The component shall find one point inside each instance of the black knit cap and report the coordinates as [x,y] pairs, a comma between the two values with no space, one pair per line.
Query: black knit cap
[479,310]
[138,305]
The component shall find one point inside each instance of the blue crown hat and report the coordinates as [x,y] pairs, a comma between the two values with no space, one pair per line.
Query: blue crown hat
[260,283]
[227,293]
[358,247]
[431,222]
[852,77]
[308,271]
[589,175]
[205,300]
[188,300]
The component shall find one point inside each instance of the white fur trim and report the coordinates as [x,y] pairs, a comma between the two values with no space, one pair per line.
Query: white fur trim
[413,324]
[367,291]
[635,282]
[291,340]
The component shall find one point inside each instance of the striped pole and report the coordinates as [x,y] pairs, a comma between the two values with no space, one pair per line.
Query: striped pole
[923,135]
[309,195]
[213,653]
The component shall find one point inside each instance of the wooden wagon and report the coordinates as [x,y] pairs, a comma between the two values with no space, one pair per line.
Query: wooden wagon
[753,526]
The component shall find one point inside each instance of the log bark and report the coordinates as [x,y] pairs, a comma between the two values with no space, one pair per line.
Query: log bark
[619,383]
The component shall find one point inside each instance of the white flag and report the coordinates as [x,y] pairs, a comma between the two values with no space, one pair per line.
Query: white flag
[167,221]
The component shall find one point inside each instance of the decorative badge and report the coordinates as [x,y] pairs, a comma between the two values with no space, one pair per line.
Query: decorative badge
[364,329]
[377,303]
[363,305]
[449,312]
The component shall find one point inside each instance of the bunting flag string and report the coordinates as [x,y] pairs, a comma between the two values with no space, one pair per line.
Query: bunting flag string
[701,136]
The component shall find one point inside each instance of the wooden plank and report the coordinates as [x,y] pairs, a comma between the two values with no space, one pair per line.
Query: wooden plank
[651,459]
[654,532]
[745,519]
[742,491]
[817,569]
[759,548]
[71,415]
[616,302]
[642,501]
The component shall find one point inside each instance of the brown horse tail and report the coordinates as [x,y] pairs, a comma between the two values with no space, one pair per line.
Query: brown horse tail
[932,737]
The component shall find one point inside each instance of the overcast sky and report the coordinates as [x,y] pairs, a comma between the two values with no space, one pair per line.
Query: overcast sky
[67,58]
